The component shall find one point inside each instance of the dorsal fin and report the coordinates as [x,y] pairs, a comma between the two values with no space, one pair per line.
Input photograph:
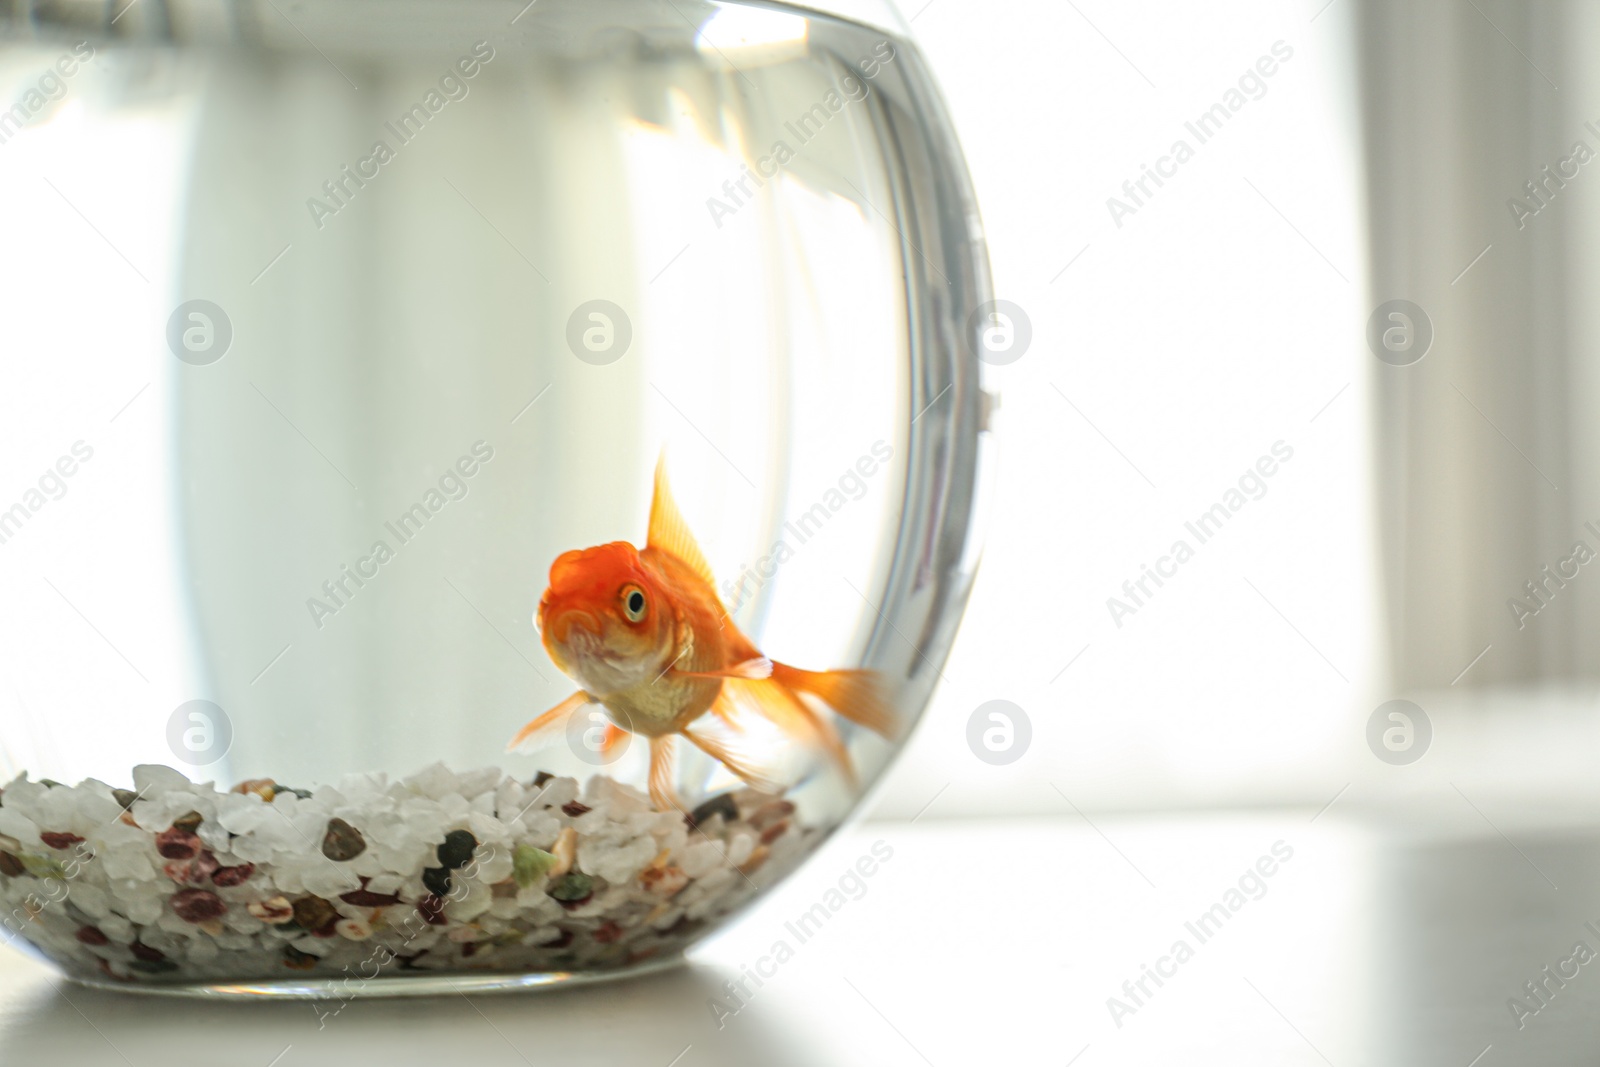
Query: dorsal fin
[669,533]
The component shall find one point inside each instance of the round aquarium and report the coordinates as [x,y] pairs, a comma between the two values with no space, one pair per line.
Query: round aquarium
[488,485]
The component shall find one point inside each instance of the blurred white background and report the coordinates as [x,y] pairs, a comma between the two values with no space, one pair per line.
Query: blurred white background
[1169,353]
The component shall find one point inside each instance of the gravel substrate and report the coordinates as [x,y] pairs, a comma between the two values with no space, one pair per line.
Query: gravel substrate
[439,872]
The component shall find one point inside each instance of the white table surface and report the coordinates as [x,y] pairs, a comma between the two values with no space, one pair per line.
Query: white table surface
[1000,942]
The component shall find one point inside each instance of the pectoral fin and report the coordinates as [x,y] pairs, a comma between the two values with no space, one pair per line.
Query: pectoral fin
[541,731]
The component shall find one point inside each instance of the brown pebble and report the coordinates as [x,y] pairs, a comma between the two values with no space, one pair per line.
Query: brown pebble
[431,908]
[91,935]
[668,881]
[178,844]
[231,876]
[342,841]
[575,809]
[296,960]
[608,932]
[189,821]
[146,953]
[541,778]
[125,797]
[775,831]
[313,913]
[275,911]
[60,841]
[10,866]
[198,905]
[265,788]
[757,857]
[197,871]
[365,898]
[776,811]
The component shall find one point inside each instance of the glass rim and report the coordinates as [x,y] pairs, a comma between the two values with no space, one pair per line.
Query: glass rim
[879,14]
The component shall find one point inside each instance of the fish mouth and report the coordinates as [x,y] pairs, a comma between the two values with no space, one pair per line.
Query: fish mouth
[577,628]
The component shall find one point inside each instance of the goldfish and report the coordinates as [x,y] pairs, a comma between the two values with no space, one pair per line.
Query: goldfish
[645,636]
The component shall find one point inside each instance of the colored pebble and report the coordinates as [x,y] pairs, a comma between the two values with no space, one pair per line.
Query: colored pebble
[776,811]
[573,888]
[575,809]
[364,898]
[162,966]
[60,841]
[529,864]
[353,929]
[313,913]
[232,876]
[296,960]
[565,850]
[91,935]
[437,879]
[456,852]
[721,804]
[758,856]
[146,953]
[431,908]
[541,778]
[275,911]
[177,844]
[342,842]
[198,905]
[189,821]
[10,866]
[125,797]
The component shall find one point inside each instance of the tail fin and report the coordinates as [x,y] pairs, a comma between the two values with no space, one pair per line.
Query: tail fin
[857,695]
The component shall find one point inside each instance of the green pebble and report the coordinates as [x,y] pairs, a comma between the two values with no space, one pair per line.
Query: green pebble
[44,867]
[573,886]
[529,864]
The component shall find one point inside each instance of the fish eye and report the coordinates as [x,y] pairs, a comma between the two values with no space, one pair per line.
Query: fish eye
[633,603]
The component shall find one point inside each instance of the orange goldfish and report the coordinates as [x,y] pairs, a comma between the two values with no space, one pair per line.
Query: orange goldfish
[644,634]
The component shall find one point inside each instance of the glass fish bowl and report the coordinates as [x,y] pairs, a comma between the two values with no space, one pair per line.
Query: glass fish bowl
[384,378]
